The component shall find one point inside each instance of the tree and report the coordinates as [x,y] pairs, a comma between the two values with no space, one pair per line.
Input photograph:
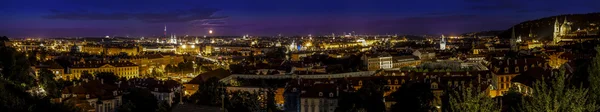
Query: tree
[512,101]
[87,75]
[552,94]
[242,101]
[156,73]
[470,99]
[413,97]
[108,77]
[594,77]
[46,81]
[127,106]
[141,100]
[371,94]
[209,92]
[16,67]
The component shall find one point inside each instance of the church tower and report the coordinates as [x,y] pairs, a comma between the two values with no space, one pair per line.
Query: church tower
[565,28]
[513,41]
[443,43]
[556,34]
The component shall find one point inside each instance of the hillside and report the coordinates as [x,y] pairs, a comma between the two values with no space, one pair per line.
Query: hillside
[542,28]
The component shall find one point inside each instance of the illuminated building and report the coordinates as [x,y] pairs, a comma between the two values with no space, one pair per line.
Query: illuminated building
[124,69]
[56,69]
[504,70]
[164,91]
[163,49]
[319,98]
[297,56]
[94,95]
[339,45]
[382,60]
[514,43]
[92,49]
[405,61]
[424,55]
[562,33]
[438,80]
[188,49]
[173,39]
[558,59]
[116,50]
[443,43]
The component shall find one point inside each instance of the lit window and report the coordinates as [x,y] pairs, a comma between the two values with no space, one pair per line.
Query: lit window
[506,70]
[516,69]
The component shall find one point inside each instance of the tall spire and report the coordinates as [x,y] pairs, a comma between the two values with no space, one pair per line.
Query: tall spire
[165,33]
[565,20]
[513,33]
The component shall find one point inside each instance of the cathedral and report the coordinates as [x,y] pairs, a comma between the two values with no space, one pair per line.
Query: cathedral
[563,33]
[560,30]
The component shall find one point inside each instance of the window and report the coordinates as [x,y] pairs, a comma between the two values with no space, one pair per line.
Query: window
[389,82]
[516,69]
[320,93]
[330,94]
[360,83]
[506,70]
[434,85]
[525,68]
[396,81]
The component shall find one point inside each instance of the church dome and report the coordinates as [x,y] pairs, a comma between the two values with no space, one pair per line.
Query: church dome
[75,48]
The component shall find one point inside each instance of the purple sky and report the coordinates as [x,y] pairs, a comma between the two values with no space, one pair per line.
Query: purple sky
[56,18]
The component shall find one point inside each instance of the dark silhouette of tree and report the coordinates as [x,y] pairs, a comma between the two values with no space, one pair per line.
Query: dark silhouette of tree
[552,94]
[141,100]
[512,101]
[470,99]
[209,92]
[16,67]
[87,75]
[107,77]
[413,97]
[46,81]
[594,77]
[242,101]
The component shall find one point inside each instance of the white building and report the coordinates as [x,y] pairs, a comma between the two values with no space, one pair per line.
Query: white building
[443,43]
[424,54]
[378,61]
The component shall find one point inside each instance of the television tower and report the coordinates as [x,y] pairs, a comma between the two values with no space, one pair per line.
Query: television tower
[165,33]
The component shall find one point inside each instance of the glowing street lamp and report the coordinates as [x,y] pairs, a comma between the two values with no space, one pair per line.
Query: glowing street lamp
[210,31]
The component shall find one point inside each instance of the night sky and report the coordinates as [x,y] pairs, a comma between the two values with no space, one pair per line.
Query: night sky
[134,18]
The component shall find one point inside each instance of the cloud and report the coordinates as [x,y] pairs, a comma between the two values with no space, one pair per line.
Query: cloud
[149,17]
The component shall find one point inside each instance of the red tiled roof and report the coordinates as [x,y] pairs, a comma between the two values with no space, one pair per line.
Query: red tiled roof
[218,73]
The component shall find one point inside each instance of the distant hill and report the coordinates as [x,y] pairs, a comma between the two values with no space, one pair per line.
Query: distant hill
[482,33]
[543,28]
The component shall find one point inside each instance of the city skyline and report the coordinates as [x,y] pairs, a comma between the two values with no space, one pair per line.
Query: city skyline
[269,18]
